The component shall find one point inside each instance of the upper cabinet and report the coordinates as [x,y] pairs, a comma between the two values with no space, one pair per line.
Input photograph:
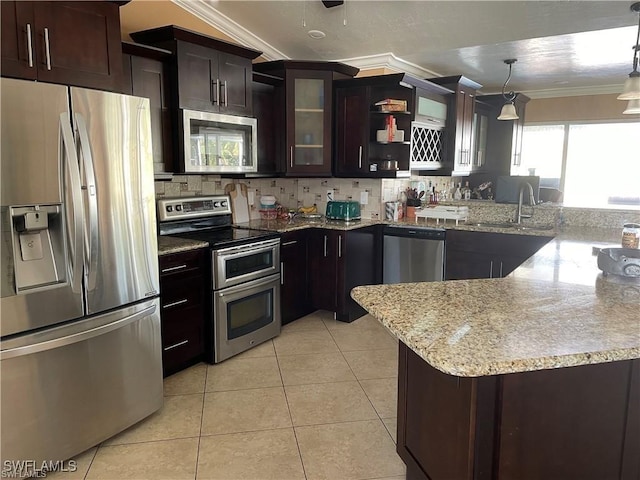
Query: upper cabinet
[459,146]
[207,74]
[373,140]
[145,75]
[74,43]
[308,113]
[504,137]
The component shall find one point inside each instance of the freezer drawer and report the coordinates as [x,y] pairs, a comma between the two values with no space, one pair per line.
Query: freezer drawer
[66,389]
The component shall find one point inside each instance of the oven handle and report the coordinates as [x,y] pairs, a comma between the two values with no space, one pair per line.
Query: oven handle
[261,282]
[235,252]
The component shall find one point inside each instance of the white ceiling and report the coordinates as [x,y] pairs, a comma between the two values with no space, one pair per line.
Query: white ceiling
[562,47]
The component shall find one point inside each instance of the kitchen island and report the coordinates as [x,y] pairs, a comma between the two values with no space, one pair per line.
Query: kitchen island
[532,376]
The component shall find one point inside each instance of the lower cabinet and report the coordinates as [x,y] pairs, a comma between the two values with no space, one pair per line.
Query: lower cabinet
[487,255]
[182,304]
[339,261]
[573,423]
[294,276]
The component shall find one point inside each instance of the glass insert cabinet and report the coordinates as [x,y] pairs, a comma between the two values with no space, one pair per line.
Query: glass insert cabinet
[308,112]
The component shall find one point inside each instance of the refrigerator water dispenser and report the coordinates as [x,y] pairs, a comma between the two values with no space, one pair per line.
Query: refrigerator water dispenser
[38,246]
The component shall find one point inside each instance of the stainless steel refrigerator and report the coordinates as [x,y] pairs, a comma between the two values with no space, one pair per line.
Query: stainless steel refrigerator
[80,355]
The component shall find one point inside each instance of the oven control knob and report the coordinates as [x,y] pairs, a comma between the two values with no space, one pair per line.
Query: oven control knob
[216,204]
[169,208]
[178,208]
[223,204]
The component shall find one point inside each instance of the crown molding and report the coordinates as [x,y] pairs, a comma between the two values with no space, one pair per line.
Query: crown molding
[205,12]
[390,61]
[573,92]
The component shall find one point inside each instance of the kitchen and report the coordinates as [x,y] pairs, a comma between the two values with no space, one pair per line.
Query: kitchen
[319,329]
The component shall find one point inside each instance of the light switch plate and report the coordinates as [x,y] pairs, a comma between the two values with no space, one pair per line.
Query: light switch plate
[364,197]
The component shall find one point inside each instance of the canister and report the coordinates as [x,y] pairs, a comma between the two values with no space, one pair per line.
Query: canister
[631,235]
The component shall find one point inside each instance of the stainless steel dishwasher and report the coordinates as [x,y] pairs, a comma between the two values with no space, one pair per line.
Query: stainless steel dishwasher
[413,254]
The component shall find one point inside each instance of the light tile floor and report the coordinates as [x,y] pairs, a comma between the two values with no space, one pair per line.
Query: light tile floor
[317,402]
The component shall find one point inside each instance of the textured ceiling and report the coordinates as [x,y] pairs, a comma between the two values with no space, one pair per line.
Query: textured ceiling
[585,46]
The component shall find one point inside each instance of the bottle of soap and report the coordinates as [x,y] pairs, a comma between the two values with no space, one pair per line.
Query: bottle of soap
[458,193]
[467,191]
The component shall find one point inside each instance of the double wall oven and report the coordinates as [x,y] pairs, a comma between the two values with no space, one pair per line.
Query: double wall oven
[245,272]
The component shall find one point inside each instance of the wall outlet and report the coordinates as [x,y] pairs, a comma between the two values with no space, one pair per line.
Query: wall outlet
[329,195]
[364,197]
[374,216]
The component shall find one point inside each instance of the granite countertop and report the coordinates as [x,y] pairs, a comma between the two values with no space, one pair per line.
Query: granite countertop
[556,310]
[167,245]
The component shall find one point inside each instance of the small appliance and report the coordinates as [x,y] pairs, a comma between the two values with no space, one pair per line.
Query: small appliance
[343,210]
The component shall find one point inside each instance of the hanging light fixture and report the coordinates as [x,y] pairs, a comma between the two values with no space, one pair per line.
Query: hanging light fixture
[633,107]
[631,89]
[508,111]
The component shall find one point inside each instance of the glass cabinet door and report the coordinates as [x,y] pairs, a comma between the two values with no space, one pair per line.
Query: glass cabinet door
[309,122]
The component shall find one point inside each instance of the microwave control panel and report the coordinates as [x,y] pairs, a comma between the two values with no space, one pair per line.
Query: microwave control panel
[184,208]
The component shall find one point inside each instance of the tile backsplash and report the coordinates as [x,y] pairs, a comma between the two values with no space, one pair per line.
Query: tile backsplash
[297,192]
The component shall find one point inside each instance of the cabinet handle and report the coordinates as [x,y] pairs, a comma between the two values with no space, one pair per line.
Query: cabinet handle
[491,269]
[281,273]
[47,48]
[226,93]
[291,155]
[173,269]
[179,344]
[173,304]
[360,157]
[339,246]
[216,92]
[325,245]
[292,242]
[500,269]
[29,46]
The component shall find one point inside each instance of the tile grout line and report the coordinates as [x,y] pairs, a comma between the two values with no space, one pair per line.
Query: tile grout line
[204,396]
[286,399]
[92,459]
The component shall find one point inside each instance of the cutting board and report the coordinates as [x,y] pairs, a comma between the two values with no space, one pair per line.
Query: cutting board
[239,201]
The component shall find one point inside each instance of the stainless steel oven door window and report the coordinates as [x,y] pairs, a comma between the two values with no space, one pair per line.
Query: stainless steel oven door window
[235,265]
[246,315]
[219,143]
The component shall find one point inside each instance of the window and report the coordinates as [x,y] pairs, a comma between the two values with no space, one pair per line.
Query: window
[596,165]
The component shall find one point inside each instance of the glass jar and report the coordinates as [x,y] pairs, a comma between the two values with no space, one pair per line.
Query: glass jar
[631,235]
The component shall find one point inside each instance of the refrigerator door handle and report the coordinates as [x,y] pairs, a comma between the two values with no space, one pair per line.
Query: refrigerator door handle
[76,337]
[71,165]
[91,231]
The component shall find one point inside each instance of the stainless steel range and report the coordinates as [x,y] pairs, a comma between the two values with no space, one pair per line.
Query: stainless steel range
[245,272]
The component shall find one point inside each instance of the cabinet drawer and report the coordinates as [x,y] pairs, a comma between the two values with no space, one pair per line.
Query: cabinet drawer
[182,340]
[176,293]
[176,263]
[180,325]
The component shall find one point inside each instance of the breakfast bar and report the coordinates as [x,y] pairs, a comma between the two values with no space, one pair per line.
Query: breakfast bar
[536,375]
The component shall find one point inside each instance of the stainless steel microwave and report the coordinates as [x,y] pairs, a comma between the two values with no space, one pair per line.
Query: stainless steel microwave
[217,143]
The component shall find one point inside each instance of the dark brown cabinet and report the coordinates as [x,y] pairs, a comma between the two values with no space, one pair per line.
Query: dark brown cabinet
[73,43]
[487,255]
[567,423]
[504,137]
[268,94]
[339,261]
[308,113]
[145,75]
[359,152]
[294,276]
[207,74]
[182,309]
[459,149]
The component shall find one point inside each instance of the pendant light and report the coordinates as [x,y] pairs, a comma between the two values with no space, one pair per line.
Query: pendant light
[508,111]
[633,107]
[631,89]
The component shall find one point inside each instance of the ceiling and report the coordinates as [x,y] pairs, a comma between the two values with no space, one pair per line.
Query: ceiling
[563,47]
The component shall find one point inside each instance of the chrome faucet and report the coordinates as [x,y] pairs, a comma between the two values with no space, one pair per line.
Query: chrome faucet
[532,202]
